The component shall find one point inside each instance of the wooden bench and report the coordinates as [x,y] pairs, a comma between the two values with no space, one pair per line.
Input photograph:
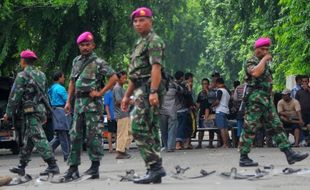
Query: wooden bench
[232,128]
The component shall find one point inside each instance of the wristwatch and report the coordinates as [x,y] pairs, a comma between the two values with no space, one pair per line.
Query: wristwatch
[153,91]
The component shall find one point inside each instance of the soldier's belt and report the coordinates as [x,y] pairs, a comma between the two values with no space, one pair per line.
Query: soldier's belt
[259,88]
[82,94]
[29,110]
[29,107]
[140,81]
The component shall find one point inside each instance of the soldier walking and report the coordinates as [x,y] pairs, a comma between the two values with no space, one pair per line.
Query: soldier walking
[88,71]
[145,83]
[260,108]
[24,95]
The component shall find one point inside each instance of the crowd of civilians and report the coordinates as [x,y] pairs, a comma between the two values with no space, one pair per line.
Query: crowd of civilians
[183,114]
[220,110]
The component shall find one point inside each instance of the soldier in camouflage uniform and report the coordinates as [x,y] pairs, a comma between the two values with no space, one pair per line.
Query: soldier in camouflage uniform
[260,108]
[25,96]
[145,84]
[88,71]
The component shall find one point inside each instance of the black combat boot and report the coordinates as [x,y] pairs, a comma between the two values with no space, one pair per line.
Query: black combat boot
[72,173]
[293,156]
[19,169]
[93,170]
[245,161]
[153,175]
[52,167]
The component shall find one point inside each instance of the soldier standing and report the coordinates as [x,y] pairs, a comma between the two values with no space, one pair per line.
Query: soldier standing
[145,83]
[24,95]
[260,107]
[88,71]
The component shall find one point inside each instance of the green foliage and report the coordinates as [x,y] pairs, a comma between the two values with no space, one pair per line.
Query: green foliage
[201,35]
[233,27]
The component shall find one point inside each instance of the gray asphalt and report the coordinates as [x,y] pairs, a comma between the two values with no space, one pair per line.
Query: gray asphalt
[221,160]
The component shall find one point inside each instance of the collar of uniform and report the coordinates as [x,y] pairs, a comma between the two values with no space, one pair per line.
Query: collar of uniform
[81,57]
[28,68]
[256,58]
[146,37]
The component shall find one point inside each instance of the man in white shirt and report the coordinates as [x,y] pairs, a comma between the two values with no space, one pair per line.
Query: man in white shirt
[222,110]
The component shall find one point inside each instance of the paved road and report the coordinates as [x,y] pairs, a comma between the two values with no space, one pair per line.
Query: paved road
[219,159]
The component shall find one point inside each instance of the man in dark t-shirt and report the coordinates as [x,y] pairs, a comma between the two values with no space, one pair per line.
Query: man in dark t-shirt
[204,112]
[303,96]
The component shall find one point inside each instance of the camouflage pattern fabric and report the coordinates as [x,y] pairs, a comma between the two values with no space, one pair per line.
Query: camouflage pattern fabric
[22,92]
[264,81]
[90,79]
[34,137]
[24,96]
[145,118]
[259,110]
[87,110]
[85,123]
[148,50]
[145,127]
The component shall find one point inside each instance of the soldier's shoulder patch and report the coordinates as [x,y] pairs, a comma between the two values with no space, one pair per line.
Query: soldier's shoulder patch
[99,60]
[22,74]
[156,42]
[76,59]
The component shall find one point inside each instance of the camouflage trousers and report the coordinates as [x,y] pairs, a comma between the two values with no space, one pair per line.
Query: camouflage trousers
[34,137]
[85,125]
[145,128]
[260,111]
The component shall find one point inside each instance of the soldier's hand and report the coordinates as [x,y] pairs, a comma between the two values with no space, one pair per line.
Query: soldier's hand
[131,102]
[67,108]
[124,104]
[268,57]
[94,94]
[6,118]
[153,99]
[301,123]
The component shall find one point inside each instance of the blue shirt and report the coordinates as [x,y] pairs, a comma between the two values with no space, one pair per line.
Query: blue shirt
[57,94]
[108,101]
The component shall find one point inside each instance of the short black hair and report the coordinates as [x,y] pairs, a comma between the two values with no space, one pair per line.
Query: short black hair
[219,80]
[236,83]
[216,74]
[121,73]
[29,61]
[205,79]
[178,75]
[57,75]
[298,77]
[305,77]
[188,75]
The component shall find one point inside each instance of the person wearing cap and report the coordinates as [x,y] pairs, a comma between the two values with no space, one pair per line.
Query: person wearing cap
[88,72]
[146,85]
[290,114]
[259,106]
[25,97]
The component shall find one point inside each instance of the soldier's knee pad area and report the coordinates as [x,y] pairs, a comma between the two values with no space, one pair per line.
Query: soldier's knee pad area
[274,131]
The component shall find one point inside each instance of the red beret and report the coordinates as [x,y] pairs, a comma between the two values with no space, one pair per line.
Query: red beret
[85,37]
[262,42]
[141,12]
[28,54]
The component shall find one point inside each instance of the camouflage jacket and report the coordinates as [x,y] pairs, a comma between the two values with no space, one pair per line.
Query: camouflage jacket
[263,82]
[148,50]
[23,92]
[90,79]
